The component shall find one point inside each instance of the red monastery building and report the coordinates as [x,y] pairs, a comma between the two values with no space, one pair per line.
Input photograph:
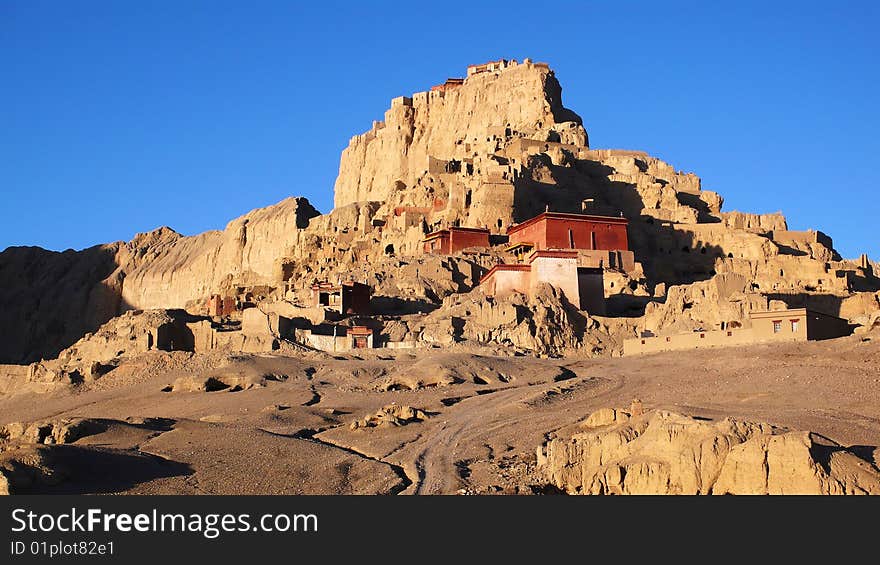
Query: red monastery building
[555,230]
[567,251]
[582,286]
[454,239]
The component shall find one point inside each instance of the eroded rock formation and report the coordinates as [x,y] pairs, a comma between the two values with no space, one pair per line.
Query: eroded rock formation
[489,151]
[390,415]
[659,452]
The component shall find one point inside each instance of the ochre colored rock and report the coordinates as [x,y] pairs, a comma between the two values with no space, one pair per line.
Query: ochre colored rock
[667,453]
[26,467]
[390,415]
[494,151]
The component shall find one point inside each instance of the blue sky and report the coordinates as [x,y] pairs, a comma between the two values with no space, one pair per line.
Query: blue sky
[119,117]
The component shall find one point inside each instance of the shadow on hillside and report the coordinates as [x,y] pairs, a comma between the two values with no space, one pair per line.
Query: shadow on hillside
[89,470]
[668,255]
[626,305]
[823,303]
[395,306]
[51,299]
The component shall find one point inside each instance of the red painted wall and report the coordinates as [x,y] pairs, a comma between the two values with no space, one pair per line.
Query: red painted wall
[356,299]
[220,306]
[534,233]
[456,240]
[552,233]
[464,239]
[441,245]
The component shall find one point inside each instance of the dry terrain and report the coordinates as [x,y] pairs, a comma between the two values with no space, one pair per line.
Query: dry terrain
[489,364]
[314,423]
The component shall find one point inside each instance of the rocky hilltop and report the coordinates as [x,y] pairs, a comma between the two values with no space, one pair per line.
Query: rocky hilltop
[426,336]
[524,101]
[488,151]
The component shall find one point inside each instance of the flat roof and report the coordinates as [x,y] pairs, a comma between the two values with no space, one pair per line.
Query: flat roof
[566,216]
[513,246]
[445,231]
[505,267]
[488,63]
[762,314]
[472,230]
[436,234]
[553,253]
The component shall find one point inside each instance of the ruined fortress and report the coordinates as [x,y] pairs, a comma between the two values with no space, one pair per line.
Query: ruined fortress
[474,212]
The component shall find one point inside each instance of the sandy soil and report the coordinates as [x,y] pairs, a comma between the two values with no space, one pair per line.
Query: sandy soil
[283,424]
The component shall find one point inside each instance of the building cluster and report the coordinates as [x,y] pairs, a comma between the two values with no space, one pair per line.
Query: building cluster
[464,202]
[490,67]
[571,252]
[337,302]
[567,251]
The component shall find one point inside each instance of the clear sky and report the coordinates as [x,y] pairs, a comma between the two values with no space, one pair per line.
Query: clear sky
[119,117]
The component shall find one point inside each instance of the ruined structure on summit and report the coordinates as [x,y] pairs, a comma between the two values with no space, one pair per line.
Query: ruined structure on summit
[498,65]
[450,84]
[445,200]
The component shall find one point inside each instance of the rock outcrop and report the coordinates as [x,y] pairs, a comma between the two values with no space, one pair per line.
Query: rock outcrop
[65,430]
[122,337]
[726,298]
[28,465]
[27,458]
[246,253]
[659,452]
[390,415]
[453,124]
[490,152]
[545,323]
[53,299]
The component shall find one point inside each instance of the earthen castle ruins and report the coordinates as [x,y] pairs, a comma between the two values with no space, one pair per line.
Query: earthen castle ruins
[473,212]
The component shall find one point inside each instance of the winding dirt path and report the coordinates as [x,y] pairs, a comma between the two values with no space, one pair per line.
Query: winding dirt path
[475,420]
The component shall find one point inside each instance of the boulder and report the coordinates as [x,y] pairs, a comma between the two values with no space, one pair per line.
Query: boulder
[390,415]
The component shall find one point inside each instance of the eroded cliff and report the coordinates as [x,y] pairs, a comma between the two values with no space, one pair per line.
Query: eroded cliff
[490,151]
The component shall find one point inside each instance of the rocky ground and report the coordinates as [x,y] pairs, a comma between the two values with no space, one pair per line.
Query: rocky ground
[429,421]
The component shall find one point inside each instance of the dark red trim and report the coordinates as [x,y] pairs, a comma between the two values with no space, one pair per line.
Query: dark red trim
[505,267]
[554,253]
[565,216]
